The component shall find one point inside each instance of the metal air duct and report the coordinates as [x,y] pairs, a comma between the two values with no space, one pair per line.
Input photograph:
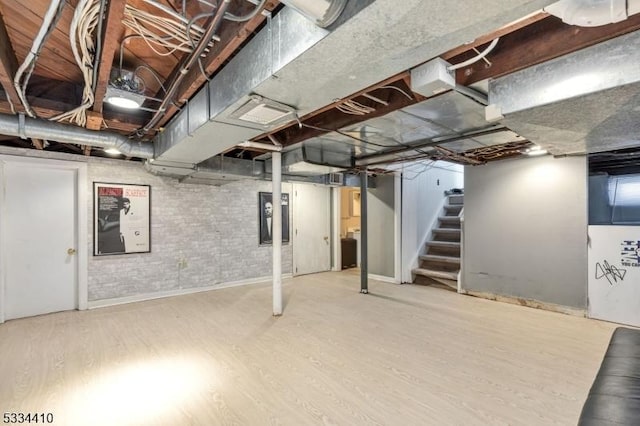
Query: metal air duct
[587,101]
[25,127]
[293,65]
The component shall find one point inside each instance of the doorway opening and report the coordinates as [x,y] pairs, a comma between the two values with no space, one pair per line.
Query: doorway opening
[350,227]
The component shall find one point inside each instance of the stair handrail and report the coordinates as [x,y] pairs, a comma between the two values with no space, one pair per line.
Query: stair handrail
[460,272]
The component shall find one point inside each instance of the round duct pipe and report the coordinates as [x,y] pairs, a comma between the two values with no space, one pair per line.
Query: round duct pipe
[591,13]
[322,12]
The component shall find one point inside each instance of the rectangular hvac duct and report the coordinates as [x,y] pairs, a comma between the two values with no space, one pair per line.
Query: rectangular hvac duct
[586,101]
[207,125]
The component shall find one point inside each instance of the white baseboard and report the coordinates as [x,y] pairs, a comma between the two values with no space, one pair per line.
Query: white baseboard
[178,292]
[382,278]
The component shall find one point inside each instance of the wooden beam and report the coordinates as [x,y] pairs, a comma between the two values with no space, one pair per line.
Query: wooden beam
[507,29]
[540,42]
[232,36]
[94,120]
[38,143]
[8,67]
[87,150]
[113,31]
[330,118]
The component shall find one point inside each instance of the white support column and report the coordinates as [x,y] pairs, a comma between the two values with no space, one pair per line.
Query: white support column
[276,180]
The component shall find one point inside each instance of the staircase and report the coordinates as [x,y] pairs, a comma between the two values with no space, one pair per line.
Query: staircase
[441,262]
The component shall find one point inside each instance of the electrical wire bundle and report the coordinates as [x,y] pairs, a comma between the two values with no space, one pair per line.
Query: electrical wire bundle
[354,108]
[174,33]
[25,70]
[81,34]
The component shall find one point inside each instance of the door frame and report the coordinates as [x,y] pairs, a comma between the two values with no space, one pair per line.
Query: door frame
[81,225]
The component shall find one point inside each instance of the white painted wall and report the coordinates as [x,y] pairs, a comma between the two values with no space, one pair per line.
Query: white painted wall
[526,229]
[422,199]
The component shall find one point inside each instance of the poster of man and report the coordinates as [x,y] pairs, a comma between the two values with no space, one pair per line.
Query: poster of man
[121,219]
[265,213]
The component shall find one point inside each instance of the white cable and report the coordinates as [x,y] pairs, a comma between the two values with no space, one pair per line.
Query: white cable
[48,18]
[83,25]
[475,59]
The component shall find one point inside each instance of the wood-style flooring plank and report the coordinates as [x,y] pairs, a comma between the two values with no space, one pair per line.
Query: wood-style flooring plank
[409,355]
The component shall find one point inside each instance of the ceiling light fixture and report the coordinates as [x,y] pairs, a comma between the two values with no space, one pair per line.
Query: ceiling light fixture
[112,151]
[535,151]
[125,90]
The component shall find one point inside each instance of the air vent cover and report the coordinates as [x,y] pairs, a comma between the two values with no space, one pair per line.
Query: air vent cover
[265,112]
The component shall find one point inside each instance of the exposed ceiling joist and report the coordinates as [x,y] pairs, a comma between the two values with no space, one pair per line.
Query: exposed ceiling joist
[38,143]
[329,118]
[542,41]
[8,67]
[113,31]
[232,36]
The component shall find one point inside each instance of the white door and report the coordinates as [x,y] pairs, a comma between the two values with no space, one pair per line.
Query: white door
[39,239]
[311,229]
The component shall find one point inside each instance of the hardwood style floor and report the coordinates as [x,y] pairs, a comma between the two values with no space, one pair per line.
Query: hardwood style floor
[402,355]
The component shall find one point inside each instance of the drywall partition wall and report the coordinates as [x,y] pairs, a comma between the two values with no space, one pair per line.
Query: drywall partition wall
[381,232]
[201,235]
[422,199]
[526,230]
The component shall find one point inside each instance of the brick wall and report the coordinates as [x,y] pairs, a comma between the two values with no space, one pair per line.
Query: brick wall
[214,229]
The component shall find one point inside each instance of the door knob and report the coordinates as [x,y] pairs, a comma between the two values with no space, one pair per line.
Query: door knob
[71,251]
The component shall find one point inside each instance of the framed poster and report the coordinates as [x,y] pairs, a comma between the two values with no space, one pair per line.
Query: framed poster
[265,213]
[121,218]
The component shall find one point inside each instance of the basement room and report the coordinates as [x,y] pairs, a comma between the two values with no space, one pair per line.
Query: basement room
[332,212]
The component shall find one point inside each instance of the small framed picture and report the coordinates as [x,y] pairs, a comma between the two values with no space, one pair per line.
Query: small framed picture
[265,215]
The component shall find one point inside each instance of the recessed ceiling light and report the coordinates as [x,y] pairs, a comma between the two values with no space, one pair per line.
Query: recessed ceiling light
[123,98]
[112,151]
[535,151]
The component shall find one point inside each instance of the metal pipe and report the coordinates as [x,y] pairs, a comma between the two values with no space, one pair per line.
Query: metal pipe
[276,234]
[322,12]
[21,126]
[190,61]
[364,255]
[259,145]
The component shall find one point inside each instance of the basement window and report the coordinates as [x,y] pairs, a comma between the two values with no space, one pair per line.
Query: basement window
[624,199]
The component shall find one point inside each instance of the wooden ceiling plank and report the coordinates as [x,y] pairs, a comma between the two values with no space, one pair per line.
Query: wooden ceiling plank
[507,29]
[232,36]
[113,31]
[540,42]
[8,67]
[290,132]
[332,119]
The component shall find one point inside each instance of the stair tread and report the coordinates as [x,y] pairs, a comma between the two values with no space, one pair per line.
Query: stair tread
[439,258]
[443,243]
[435,274]
[447,230]
[449,218]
